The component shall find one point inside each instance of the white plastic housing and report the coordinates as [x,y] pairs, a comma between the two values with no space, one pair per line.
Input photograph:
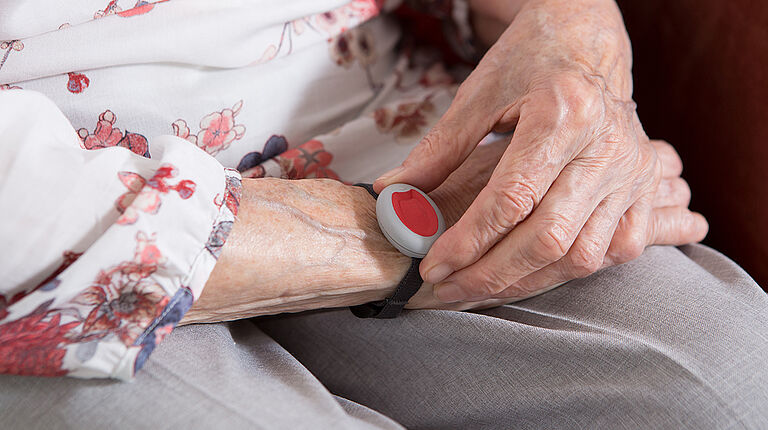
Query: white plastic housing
[396,231]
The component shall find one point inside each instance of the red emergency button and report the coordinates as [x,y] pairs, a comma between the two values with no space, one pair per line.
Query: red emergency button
[415,212]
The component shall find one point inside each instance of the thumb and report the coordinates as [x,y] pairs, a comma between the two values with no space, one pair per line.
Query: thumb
[443,148]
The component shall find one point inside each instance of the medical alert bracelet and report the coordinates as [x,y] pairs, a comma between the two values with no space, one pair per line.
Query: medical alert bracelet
[411,222]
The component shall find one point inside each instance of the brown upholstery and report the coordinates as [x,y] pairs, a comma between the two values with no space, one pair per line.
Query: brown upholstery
[701,82]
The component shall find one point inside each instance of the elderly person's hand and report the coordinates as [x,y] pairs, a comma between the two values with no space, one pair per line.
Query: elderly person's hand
[576,186]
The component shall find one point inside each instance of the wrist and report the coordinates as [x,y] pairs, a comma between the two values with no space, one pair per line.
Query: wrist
[387,265]
[300,245]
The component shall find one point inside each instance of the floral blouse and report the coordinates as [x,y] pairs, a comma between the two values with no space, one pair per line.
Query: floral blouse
[125,129]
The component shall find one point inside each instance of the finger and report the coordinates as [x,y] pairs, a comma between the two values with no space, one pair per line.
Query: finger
[672,192]
[543,238]
[469,118]
[527,169]
[664,226]
[668,226]
[630,238]
[676,226]
[585,257]
[671,163]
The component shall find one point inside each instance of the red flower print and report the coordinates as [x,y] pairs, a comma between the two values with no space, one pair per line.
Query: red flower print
[8,46]
[407,121]
[144,195]
[341,50]
[30,345]
[122,306]
[4,87]
[232,195]
[124,299]
[141,7]
[309,160]
[48,283]
[338,20]
[105,135]
[333,21]
[111,8]
[436,75]
[364,9]
[355,45]
[217,130]
[77,82]
[146,255]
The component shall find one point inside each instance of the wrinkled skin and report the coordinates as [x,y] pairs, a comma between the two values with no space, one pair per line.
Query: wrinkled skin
[315,243]
[579,186]
[670,221]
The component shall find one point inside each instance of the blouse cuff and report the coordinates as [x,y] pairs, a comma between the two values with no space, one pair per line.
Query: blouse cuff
[110,248]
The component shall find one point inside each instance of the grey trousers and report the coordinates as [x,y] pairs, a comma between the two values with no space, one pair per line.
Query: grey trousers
[675,339]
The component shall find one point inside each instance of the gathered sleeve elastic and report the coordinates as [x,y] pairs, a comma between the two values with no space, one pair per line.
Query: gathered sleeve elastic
[103,251]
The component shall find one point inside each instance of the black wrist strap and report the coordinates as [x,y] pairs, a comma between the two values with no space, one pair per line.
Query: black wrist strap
[394,304]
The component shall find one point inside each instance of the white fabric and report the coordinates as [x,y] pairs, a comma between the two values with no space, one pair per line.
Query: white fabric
[290,88]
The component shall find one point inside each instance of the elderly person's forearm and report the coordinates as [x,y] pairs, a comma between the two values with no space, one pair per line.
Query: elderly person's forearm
[300,245]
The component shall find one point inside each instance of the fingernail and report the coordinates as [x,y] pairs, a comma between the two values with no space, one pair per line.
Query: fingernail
[438,273]
[449,292]
[391,174]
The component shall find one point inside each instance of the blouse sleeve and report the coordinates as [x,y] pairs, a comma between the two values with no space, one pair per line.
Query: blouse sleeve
[103,251]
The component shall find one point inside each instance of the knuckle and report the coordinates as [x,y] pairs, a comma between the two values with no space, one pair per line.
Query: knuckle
[581,100]
[488,283]
[586,258]
[431,144]
[464,251]
[433,151]
[570,99]
[685,191]
[666,148]
[662,145]
[465,91]
[551,243]
[630,248]
[515,199]
[648,168]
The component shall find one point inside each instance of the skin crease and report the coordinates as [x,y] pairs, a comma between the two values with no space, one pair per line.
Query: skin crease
[578,186]
[314,243]
[311,244]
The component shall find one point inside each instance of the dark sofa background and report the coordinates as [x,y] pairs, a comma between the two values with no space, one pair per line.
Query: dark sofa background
[701,83]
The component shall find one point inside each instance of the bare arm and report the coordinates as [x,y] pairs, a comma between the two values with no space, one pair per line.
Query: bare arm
[315,243]
[300,245]
[310,244]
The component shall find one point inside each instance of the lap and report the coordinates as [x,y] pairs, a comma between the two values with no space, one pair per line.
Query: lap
[227,375]
[676,338]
